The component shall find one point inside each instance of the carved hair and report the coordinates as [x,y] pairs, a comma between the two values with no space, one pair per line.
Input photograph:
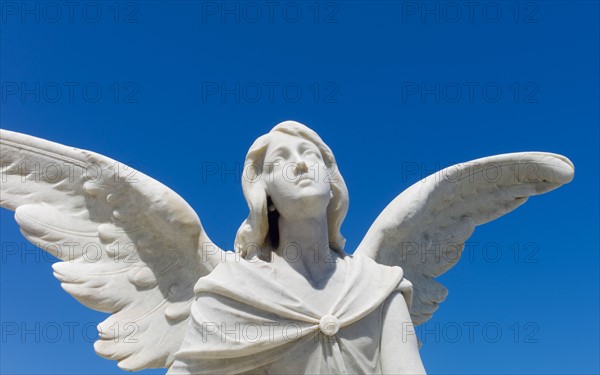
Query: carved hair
[253,233]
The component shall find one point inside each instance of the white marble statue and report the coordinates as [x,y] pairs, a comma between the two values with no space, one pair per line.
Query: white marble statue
[290,299]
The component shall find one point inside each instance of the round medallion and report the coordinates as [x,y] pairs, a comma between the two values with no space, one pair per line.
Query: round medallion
[329,325]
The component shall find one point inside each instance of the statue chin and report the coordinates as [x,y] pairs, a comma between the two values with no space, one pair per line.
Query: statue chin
[304,204]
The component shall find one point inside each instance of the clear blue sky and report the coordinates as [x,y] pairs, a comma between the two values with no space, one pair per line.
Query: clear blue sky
[397,89]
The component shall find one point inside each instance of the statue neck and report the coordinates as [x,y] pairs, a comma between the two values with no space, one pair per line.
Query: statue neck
[304,244]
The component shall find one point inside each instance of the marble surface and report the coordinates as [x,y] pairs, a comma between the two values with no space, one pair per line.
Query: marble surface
[289,299]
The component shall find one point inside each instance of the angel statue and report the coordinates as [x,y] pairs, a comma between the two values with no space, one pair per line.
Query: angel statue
[290,299]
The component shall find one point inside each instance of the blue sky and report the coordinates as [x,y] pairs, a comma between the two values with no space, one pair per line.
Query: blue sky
[397,89]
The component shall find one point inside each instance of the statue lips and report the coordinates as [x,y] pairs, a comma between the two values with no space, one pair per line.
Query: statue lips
[302,180]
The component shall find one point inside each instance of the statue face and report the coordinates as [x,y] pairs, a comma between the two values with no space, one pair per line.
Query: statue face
[295,171]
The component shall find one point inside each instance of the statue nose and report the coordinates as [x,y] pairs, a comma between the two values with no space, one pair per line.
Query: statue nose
[301,167]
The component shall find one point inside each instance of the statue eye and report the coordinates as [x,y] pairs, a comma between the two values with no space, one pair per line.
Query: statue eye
[278,160]
[312,153]
[278,157]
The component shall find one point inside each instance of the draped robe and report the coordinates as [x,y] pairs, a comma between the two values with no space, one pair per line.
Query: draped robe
[243,322]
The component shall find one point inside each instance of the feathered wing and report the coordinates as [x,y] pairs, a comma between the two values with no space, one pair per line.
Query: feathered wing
[424,229]
[129,245]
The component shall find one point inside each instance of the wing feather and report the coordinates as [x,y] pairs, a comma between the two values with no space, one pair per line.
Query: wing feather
[424,229]
[129,245]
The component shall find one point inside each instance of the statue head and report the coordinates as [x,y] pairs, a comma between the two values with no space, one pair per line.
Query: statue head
[259,230]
